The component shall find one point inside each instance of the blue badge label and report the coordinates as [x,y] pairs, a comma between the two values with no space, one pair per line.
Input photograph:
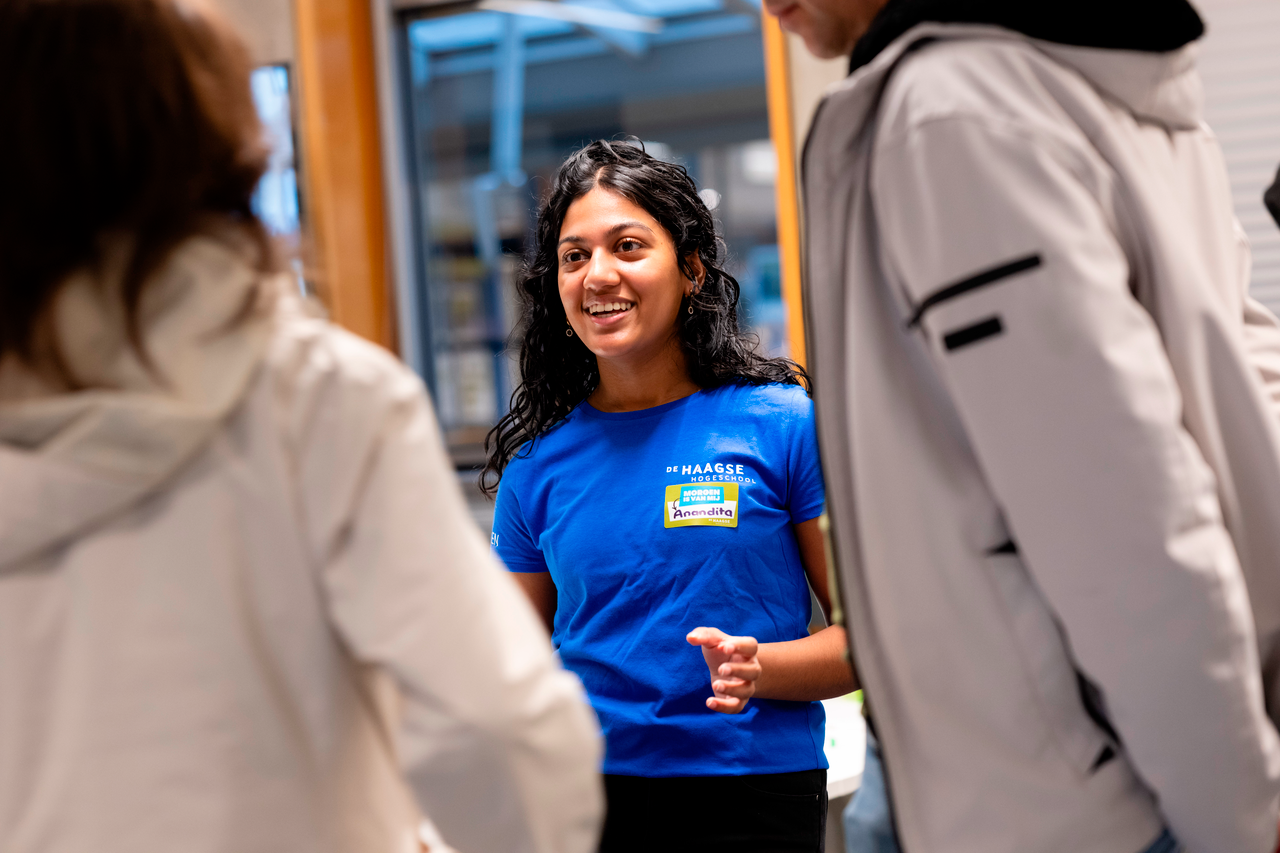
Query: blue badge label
[701,495]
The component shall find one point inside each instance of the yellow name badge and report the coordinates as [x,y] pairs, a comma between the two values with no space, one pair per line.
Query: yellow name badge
[701,505]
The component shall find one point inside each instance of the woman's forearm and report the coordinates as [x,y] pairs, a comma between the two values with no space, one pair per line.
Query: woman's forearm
[806,670]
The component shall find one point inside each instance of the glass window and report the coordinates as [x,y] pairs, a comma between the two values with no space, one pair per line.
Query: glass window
[501,94]
[276,198]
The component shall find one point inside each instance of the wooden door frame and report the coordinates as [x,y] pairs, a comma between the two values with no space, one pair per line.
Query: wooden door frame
[786,146]
[344,165]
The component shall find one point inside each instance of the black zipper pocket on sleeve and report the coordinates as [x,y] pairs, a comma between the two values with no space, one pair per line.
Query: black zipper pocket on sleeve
[979,331]
[973,282]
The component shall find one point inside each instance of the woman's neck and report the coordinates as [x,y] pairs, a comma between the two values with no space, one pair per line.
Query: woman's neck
[632,387]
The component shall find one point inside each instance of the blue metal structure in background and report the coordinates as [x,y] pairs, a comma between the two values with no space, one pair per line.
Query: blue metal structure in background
[508,102]
[577,28]
[472,41]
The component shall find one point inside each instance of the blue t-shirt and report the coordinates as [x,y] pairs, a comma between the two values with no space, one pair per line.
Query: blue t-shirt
[656,522]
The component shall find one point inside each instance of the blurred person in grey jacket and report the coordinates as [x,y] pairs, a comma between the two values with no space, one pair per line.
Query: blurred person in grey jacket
[242,606]
[1047,408]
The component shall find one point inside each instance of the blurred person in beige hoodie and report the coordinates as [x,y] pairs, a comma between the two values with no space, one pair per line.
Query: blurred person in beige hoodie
[242,606]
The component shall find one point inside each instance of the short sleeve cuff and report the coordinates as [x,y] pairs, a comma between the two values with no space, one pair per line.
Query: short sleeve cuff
[808,512]
[521,567]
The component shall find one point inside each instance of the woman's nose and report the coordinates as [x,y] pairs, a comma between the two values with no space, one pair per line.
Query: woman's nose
[601,271]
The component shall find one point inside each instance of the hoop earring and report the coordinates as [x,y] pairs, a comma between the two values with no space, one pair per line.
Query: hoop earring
[690,304]
[568,330]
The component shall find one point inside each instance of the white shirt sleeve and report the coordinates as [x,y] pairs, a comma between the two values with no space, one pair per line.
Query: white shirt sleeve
[1065,393]
[498,742]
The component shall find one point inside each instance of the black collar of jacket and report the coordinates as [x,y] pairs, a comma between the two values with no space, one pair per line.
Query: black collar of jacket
[1272,199]
[1151,26]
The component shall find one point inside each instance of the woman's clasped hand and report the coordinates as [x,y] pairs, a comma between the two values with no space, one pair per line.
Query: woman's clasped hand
[734,667]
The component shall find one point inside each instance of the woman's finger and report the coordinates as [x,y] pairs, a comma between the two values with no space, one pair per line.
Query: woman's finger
[725,688]
[746,670]
[726,706]
[705,636]
[740,648]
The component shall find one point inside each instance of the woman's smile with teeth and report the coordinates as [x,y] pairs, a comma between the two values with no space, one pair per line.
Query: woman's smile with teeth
[602,308]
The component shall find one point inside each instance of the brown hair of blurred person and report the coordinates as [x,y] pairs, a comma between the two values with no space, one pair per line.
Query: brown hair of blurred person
[128,122]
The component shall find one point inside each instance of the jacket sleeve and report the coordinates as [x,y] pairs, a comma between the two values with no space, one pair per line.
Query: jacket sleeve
[1007,260]
[497,741]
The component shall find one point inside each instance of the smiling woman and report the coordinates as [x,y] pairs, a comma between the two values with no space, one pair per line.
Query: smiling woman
[644,410]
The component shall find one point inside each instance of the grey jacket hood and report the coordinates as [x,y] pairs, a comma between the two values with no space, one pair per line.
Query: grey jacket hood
[1162,87]
[1142,55]
[69,461]
[1149,26]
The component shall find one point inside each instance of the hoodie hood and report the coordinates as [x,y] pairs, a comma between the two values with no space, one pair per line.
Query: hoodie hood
[1147,26]
[70,460]
[1161,86]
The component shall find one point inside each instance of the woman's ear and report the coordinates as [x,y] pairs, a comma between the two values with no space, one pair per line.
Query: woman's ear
[694,264]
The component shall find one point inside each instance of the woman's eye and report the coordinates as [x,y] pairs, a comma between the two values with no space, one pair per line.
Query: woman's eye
[628,245]
[573,257]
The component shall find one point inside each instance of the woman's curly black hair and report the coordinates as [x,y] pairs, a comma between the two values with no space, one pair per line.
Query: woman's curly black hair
[557,371]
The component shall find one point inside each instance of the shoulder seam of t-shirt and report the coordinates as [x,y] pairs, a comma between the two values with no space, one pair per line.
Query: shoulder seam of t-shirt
[518,458]
[790,396]
[807,514]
